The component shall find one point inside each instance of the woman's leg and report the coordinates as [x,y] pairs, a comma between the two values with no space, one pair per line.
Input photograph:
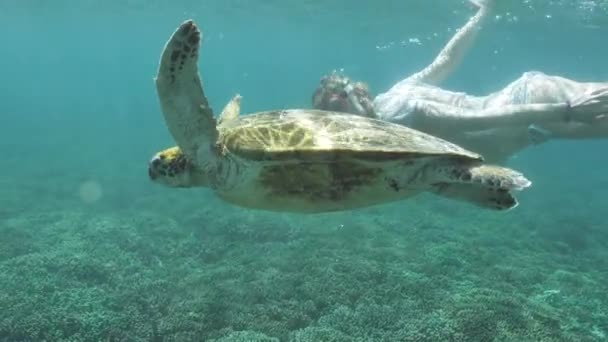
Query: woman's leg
[537,87]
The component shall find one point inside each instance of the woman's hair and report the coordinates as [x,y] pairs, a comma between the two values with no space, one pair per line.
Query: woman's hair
[335,84]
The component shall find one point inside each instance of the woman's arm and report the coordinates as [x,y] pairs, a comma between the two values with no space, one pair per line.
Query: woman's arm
[591,108]
[435,117]
[452,54]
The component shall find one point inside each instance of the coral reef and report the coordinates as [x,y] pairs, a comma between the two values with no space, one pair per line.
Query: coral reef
[185,272]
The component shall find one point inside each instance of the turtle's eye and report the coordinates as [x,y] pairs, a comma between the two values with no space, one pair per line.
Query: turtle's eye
[156,161]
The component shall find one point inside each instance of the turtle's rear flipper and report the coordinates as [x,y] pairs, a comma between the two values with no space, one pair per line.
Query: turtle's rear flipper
[488,176]
[484,185]
[499,199]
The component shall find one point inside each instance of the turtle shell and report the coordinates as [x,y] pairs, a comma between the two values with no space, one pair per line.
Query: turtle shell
[314,135]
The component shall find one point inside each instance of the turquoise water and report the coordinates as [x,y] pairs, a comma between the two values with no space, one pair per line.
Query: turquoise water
[91,250]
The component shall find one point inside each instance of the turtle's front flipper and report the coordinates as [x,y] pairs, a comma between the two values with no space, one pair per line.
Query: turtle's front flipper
[184,105]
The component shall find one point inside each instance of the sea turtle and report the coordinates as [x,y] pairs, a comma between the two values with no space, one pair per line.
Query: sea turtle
[303,160]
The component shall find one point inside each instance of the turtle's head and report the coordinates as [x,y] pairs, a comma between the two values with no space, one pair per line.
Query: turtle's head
[172,168]
[336,92]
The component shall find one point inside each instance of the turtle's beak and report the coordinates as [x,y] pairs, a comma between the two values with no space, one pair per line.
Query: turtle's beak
[153,167]
[151,173]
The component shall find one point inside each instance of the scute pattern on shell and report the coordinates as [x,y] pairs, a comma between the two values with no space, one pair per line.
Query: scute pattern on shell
[311,134]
